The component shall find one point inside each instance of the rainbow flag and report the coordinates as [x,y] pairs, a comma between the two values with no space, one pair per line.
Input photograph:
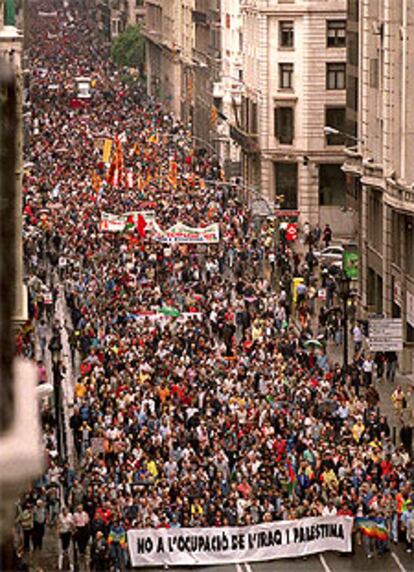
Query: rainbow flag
[372,527]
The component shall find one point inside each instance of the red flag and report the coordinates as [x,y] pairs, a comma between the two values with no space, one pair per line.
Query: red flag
[141,225]
[292,474]
[76,103]
[292,231]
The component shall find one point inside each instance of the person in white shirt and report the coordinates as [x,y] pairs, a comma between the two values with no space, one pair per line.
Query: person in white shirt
[329,509]
[368,367]
[81,523]
[357,335]
[65,527]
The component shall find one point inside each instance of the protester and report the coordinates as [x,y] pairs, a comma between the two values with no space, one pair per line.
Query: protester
[202,397]
[65,528]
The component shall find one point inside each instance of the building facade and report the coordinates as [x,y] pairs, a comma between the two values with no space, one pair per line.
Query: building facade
[11,50]
[136,12]
[168,28]
[295,79]
[228,90]
[112,17]
[207,66]
[380,168]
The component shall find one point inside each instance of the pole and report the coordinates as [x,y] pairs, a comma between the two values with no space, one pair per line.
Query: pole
[56,395]
[345,364]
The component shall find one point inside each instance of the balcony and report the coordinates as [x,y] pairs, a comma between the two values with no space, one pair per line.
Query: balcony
[248,141]
[353,162]
[399,196]
[154,36]
[199,18]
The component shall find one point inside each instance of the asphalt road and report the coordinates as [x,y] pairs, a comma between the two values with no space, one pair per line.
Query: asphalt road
[396,561]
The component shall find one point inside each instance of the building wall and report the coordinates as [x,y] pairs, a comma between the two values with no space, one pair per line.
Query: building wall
[265,52]
[227,91]
[11,47]
[168,28]
[136,12]
[207,62]
[382,166]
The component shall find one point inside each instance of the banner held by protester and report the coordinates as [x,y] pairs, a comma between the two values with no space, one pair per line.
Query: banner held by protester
[183,234]
[210,546]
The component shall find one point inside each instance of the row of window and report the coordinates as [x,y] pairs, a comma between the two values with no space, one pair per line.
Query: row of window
[284,124]
[332,184]
[335,33]
[335,75]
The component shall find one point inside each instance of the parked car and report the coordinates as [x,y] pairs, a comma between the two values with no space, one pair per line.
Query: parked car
[333,253]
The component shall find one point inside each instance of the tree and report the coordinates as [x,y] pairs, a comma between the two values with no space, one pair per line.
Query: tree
[129,48]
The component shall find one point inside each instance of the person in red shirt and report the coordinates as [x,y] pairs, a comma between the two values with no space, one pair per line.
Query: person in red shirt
[344,511]
[104,514]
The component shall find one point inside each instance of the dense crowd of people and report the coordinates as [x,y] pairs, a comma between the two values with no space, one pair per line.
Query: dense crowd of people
[201,399]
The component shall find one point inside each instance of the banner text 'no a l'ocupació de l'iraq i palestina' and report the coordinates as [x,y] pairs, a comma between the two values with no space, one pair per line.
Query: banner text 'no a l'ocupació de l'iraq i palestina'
[207,546]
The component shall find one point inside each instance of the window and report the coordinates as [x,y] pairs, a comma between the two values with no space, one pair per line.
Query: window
[286,76]
[336,33]
[409,237]
[228,21]
[396,250]
[284,124]
[335,76]
[375,220]
[335,117]
[286,34]
[374,73]
[332,186]
[286,183]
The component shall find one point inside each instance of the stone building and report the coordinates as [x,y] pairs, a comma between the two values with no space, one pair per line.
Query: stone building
[168,29]
[20,439]
[194,65]
[380,168]
[228,90]
[11,48]
[295,80]
[112,17]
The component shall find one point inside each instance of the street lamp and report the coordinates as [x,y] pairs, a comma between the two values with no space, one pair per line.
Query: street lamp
[328,130]
[344,293]
[55,348]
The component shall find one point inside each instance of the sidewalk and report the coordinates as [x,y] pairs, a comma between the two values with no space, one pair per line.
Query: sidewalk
[384,388]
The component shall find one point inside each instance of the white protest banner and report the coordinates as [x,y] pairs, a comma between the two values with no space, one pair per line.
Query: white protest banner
[229,545]
[183,234]
[162,318]
[116,223]
[112,223]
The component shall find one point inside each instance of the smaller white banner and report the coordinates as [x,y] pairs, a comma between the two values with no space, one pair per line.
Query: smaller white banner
[116,223]
[229,545]
[183,234]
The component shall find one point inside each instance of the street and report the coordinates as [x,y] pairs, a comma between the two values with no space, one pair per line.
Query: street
[214,398]
[395,561]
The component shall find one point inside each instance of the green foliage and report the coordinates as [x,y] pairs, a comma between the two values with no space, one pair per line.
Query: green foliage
[129,48]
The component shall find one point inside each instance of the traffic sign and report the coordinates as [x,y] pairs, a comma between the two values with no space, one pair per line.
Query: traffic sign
[350,265]
[292,231]
[385,335]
